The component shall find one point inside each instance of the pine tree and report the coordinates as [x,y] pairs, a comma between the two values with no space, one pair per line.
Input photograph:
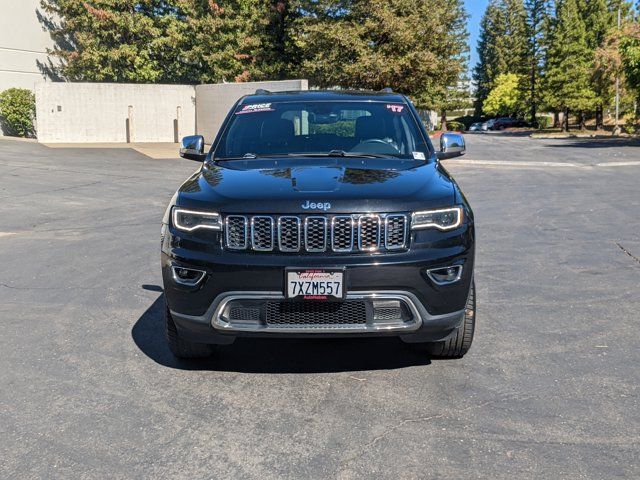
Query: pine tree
[569,64]
[599,20]
[414,47]
[502,47]
[538,23]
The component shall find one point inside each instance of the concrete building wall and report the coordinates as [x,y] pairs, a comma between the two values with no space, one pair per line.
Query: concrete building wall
[23,44]
[215,100]
[114,112]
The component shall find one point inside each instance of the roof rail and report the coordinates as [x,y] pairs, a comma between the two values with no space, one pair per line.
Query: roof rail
[262,91]
[387,90]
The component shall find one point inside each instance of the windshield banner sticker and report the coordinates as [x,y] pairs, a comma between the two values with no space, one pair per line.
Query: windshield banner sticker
[396,108]
[256,107]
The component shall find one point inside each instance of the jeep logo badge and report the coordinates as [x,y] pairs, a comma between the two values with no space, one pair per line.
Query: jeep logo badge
[316,205]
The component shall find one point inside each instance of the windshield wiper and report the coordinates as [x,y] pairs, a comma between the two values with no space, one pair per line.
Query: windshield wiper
[332,153]
[340,153]
[246,156]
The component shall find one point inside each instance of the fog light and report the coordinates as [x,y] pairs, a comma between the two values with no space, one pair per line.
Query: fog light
[445,275]
[187,276]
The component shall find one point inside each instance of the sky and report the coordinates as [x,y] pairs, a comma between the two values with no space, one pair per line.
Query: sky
[475,8]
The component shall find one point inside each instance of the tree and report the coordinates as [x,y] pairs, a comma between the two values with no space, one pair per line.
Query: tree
[538,24]
[618,57]
[506,97]
[569,64]
[414,47]
[173,41]
[106,40]
[218,42]
[598,20]
[630,56]
[502,47]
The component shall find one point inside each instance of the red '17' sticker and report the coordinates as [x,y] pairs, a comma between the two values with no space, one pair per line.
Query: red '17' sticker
[255,107]
[396,108]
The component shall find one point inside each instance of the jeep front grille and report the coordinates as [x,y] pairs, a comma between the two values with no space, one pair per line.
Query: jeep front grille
[317,233]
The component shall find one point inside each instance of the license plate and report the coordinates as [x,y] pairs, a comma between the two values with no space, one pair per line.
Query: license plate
[315,284]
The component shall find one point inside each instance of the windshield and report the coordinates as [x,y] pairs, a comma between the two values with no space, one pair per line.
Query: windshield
[335,128]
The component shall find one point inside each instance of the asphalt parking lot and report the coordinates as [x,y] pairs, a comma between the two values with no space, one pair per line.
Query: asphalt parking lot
[88,388]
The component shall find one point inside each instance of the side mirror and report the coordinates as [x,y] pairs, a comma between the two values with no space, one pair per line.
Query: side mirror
[192,148]
[451,145]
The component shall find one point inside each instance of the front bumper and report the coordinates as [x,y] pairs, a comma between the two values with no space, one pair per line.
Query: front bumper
[434,311]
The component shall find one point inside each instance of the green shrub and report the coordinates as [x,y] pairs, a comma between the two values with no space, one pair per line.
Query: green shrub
[630,126]
[18,111]
[455,126]
[543,122]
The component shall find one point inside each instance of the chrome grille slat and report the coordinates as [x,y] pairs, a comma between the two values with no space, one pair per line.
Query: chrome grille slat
[262,233]
[236,232]
[369,227]
[395,232]
[342,233]
[289,234]
[317,233]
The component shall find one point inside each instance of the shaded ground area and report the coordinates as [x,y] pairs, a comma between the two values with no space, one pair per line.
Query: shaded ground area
[582,151]
[549,390]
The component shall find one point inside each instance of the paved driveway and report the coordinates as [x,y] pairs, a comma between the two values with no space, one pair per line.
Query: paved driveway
[88,388]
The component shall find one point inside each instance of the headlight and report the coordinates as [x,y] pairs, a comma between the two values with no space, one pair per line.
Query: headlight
[189,220]
[445,219]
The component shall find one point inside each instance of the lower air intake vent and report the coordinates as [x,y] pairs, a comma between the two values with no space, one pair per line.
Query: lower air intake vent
[343,313]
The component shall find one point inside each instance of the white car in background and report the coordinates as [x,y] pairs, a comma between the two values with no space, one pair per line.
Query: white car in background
[486,126]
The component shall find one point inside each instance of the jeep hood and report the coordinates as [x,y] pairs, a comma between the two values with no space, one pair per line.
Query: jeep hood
[350,185]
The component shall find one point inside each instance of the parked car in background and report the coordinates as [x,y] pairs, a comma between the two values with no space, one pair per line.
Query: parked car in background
[476,127]
[487,125]
[507,122]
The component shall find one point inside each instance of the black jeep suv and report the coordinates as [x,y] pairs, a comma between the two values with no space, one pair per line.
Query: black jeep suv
[319,214]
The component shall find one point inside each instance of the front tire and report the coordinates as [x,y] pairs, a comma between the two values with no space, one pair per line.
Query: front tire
[459,343]
[182,348]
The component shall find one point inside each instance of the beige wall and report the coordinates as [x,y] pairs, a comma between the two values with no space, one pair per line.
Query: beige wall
[23,43]
[120,112]
[215,101]
[114,112]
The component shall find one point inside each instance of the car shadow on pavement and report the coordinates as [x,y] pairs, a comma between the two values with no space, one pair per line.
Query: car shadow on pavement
[596,143]
[505,133]
[248,355]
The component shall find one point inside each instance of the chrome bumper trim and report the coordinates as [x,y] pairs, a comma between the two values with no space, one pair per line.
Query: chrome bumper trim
[219,323]
[420,316]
